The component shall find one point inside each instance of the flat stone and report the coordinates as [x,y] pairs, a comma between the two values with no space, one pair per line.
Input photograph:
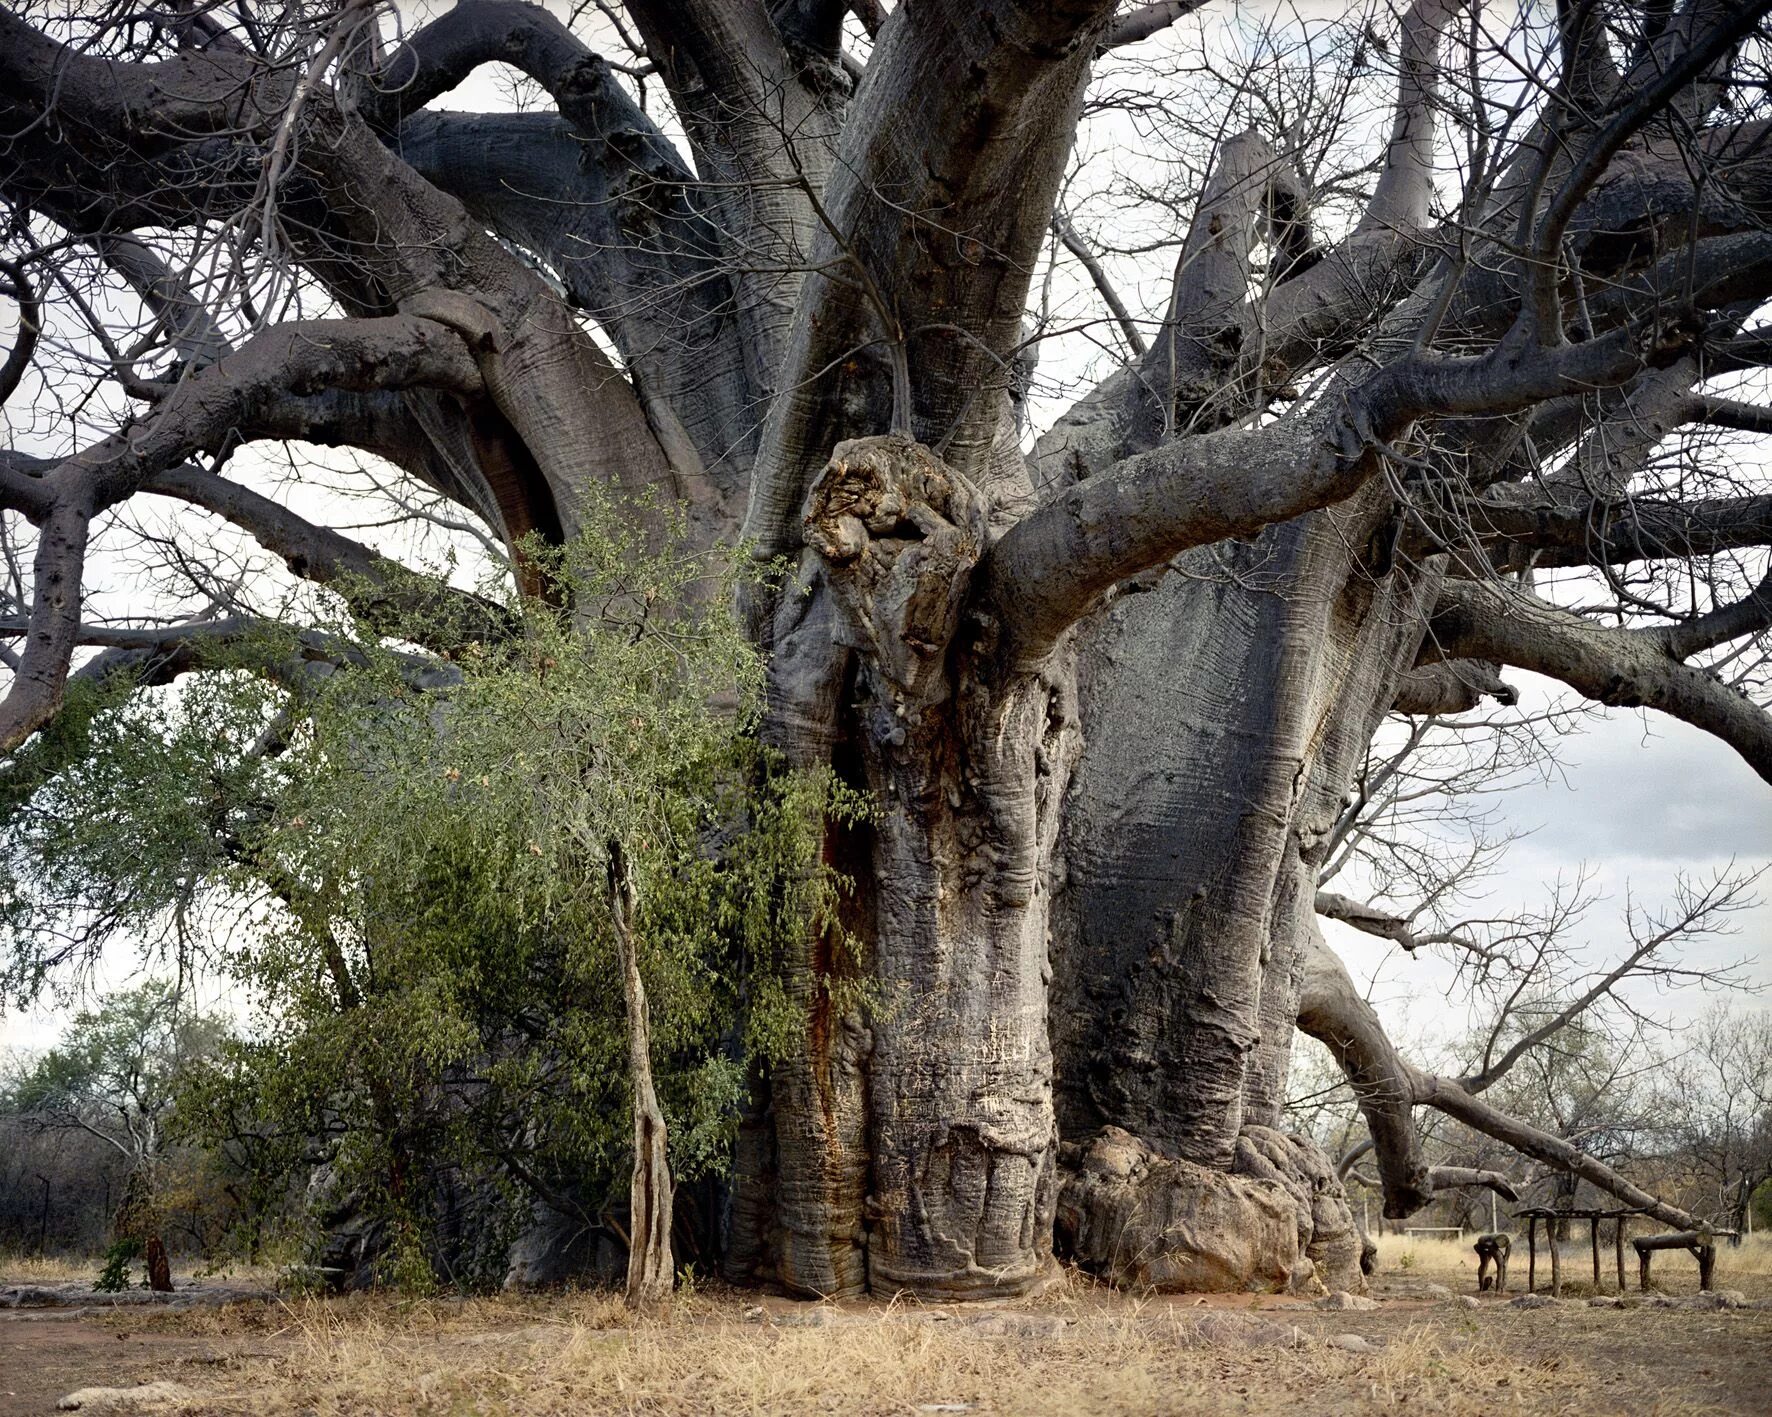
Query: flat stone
[1351,1343]
[29,1296]
[1466,1301]
[1020,1326]
[1535,1301]
[812,1316]
[125,1399]
[1606,1301]
[1713,1299]
[1231,1331]
[1341,1299]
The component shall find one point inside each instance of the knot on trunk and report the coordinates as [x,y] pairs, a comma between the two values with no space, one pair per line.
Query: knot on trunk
[1278,1221]
[899,532]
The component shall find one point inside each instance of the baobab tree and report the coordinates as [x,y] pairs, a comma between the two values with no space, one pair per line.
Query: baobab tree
[1110,685]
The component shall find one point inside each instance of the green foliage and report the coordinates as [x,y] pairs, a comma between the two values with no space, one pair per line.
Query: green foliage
[406,866]
[116,1069]
[113,1276]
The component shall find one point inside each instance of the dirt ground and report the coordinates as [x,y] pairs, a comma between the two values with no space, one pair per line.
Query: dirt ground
[1076,1349]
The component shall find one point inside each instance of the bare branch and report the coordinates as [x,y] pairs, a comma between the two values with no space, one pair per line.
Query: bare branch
[1621,668]
[1147,20]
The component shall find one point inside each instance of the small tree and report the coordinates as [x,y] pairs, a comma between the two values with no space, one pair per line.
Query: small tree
[468,906]
[115,1076]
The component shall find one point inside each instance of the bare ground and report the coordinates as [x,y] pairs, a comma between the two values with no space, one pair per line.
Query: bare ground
[1076,1349]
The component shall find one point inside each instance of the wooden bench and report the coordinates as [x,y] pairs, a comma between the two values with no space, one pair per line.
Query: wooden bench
[1533,1214]
[1702,1244]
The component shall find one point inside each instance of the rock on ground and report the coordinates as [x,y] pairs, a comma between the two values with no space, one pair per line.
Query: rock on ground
[1231,1331]
[1341,1299]
[125,1399]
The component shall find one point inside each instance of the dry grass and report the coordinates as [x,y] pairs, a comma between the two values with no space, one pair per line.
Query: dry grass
[1079,1349]
[380,1360]
[45,1269]
[72,1269]
[1077,1352]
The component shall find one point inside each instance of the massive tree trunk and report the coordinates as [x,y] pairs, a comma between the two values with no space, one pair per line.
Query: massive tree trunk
[916,1147]
[1224,711]
[1108,700]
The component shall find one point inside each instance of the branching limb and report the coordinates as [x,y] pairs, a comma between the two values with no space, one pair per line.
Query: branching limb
[1621,668]
[1370,920]
[1331,1010]
[1050,568]
[1445,1178]
[16,286]
[1146,20]
[205,412]
[1388,1089]
[1405,187]
[424,610]
[1104,287]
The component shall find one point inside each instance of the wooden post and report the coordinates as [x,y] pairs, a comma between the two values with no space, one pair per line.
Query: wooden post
[1643,1268]
[1556,1262]
[1593,1236]
[1707,1262]
[1531,1253]
[1618,1246]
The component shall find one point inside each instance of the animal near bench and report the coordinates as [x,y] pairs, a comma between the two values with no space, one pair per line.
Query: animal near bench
[1492,1249]
[1532,1215]
[1701,1243]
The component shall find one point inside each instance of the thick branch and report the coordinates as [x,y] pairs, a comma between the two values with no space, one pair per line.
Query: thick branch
[1331,1010]
[389,596]
[1147,20]
[1405,187]
[948,217]
[1388,1088]
[1050,568]
[1370,920]
[1447,1177]
[1451,687]
[1621,668]
[208,410]
[1455,1102]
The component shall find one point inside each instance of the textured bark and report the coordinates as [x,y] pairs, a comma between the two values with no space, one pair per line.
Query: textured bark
[921,1147]
[1225,711]
[1108,699]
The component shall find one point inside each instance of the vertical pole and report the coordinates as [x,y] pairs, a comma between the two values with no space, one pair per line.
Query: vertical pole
[1493,1227]
[1531,1254]
[1593,1235]
[1618,1246]
[1556,1262]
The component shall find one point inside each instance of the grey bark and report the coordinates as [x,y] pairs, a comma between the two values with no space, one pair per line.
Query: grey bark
[1108,699]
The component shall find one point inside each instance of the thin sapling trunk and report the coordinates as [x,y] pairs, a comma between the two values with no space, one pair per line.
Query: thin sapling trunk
[649,1250]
